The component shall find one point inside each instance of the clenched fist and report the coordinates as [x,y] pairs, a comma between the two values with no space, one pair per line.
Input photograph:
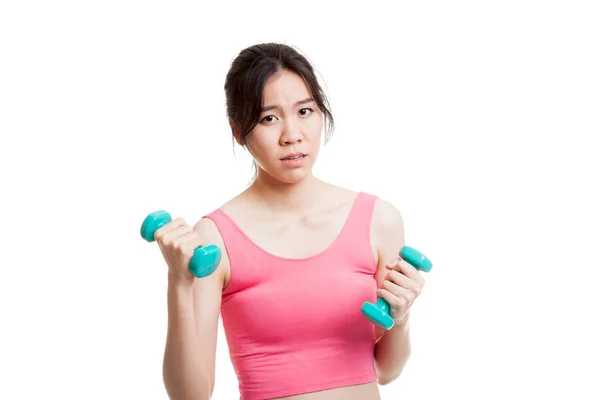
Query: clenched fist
[177,241]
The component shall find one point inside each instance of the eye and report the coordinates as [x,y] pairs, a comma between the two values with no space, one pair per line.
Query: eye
[307,110]
[266,119]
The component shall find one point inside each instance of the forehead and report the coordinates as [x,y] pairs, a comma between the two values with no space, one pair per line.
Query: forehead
[285,87]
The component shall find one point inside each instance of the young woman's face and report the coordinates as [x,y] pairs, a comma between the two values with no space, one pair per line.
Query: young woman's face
[287,139]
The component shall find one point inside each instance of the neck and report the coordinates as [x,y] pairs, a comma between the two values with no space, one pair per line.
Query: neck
[287,197]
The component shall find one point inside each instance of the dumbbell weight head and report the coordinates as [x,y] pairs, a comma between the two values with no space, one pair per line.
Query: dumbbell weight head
[153,222]
[205,260]
[415,258]
[379,312]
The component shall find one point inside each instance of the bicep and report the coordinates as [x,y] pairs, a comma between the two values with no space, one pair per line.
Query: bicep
[388,240]
[388,228]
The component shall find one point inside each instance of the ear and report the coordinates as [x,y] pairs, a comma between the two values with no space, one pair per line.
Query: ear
[236,132]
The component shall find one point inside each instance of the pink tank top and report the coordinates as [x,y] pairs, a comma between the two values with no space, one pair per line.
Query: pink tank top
[295,325]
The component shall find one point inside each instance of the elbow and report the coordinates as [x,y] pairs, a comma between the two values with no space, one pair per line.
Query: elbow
[387,375]
[178,392]
[180,389]
[383,380]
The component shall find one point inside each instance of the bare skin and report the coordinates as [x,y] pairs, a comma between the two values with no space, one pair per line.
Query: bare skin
[288,212]
[297,235]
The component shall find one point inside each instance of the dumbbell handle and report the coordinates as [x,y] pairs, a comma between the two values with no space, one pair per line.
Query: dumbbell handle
[379,312]
[382,305]
[205,259]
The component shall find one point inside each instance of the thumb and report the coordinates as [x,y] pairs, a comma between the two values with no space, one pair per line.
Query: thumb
[393,263]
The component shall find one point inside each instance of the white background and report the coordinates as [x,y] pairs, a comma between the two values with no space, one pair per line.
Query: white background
[478,120]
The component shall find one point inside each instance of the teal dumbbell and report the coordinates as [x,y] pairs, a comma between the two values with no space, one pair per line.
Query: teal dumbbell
[379,313]
[205,260]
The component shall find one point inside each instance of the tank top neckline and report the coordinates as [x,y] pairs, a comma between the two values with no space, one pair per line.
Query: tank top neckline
[299,259]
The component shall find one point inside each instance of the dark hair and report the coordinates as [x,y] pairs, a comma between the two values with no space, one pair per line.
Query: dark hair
[248,75]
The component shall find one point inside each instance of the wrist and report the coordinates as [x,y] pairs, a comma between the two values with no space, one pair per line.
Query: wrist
[179,283]
[402,323]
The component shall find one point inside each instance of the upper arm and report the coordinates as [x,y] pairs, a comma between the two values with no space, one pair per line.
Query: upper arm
[388,235]
[207,296]
[387,231]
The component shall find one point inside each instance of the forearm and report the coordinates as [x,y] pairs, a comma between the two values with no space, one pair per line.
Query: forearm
[392,352]
[185,373]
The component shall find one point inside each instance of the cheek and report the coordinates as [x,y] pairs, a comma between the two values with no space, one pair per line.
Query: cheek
[316,130]
[261,149]
[317,123]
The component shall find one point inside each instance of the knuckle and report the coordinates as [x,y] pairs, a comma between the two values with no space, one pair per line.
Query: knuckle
[160,232]
[394,275]
[167,243]
[160,238]
[179,244]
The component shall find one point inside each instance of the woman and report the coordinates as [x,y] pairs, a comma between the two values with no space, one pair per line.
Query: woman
[300,257]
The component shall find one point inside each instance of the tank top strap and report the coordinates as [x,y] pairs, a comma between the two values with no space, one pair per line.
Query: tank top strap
[234,240]
[356,235]
[361,213]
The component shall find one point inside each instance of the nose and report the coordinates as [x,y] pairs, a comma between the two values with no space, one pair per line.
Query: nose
[291,133]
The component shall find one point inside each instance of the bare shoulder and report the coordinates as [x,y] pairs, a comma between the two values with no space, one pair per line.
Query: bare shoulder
[210,234]
[387,218]
[387,230]
[208,230]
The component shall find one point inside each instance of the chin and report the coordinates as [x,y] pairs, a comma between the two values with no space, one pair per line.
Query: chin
[295,176]
[285,175]
[290,176]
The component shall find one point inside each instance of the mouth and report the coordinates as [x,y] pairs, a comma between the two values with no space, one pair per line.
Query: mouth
[295,156]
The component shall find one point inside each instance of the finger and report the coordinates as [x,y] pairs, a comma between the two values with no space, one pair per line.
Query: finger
[391,297]
[399,290]
[393,263]
[188,241]
[412,272]
[405,268]
[400,279]
[175,234]
[163,230]
[386,295]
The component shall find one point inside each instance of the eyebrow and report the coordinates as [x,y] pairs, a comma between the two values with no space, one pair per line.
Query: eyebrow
[308,100]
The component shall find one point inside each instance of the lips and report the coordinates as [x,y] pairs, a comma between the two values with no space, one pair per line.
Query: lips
[294,156]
